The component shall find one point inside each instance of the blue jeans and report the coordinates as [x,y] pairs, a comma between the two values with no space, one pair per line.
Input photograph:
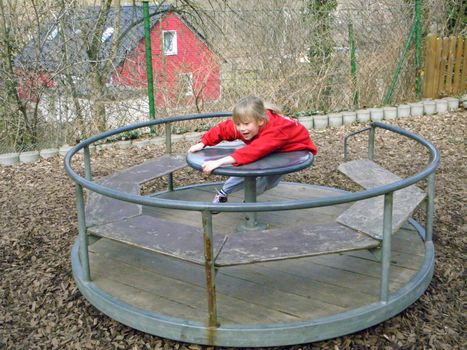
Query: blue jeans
[263,183]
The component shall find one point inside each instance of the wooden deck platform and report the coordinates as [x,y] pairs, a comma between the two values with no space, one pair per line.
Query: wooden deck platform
[264,293]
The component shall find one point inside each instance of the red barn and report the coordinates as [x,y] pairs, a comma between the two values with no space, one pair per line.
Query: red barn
[185,69]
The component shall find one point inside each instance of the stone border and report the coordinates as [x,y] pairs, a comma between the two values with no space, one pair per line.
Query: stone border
[332,120]
[415,109]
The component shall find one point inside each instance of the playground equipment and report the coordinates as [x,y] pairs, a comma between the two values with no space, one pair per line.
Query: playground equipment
[330,262]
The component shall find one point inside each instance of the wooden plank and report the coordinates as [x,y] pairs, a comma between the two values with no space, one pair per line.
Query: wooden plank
[133,295]
[437,67]
[367,215]
[289,243]
[227,222]
[407,251]
[451,59]
[405,260]
[186,242]
[406,244]
[457,66]
[322,280]
[464,69]
[147,232]
[277,305]
[131,289]
[443,66]
[157,293]
[430,43]
[158,263]
[335,277]
[288,190]
[101,209]
[150,169]
[311,289]
[369,174]
[354,264]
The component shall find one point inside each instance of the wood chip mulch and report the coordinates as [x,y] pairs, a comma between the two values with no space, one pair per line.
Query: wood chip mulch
[41,307]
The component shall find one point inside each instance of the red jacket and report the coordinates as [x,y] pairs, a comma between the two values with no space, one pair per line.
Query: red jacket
[279,134]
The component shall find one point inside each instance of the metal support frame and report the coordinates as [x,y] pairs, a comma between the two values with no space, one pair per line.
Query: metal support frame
[87,163]
[257,335]
[83,236]
[346,143]
[386,250]
[430,208]
[371,143]
[168,150]
[210,268]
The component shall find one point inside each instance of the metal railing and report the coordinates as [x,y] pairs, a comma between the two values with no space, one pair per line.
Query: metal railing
[207,208]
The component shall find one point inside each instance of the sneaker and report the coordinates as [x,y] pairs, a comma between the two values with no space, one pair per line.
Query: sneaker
[219,198]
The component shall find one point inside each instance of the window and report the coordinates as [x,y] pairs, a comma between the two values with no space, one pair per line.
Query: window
[170,42]
[53,33]
[186,83]
[107,34]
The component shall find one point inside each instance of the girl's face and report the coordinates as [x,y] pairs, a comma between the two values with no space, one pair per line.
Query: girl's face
[248,128]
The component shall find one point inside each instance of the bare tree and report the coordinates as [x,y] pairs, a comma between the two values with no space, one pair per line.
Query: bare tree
[65,55]
[19,24]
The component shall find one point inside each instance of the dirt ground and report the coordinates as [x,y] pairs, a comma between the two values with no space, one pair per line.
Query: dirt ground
[41,307]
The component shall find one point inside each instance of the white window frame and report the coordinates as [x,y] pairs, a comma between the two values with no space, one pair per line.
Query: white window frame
[53,33]
[186,80]
[173,51]
[107,34]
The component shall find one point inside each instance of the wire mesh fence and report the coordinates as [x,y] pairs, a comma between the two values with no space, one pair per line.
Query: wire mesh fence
[291,53]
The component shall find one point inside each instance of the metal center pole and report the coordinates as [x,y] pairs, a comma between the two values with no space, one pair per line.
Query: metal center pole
[250,197]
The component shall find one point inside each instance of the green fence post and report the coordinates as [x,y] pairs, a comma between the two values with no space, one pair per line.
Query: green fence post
[388,97]
[418,49]
[353,67]
[147,28]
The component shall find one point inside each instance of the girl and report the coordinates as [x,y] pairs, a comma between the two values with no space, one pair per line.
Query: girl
[264,131]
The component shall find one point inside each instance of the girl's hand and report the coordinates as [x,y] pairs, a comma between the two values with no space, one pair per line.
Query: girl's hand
[210,165]
[195,148]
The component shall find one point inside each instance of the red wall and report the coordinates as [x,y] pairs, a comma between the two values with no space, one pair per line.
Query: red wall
[193,56]
[32,84]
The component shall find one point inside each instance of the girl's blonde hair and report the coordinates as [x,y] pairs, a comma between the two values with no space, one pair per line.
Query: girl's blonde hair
[252,108]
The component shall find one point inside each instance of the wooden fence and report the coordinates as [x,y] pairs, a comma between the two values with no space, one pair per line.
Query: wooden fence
[445,70]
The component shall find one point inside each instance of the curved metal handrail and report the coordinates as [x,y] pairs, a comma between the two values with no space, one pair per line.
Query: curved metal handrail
[245,207]
[207,208]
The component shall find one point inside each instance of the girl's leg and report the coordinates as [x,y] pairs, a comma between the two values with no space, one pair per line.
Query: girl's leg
[233,184]
[265,183]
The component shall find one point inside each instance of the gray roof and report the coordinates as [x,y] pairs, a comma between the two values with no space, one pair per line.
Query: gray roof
[49,54]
